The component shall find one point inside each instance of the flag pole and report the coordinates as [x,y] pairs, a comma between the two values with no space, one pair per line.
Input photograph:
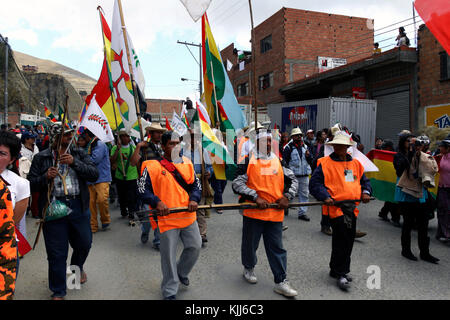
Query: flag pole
[113,100]
[255,106]
[130,66]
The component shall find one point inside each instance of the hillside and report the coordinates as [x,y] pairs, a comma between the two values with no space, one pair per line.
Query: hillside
[78,80]
[26,90]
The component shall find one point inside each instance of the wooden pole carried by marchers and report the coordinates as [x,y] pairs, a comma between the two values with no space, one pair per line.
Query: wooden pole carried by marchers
[130,66]
[236,206]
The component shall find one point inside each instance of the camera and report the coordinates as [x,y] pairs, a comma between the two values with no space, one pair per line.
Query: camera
[418,143]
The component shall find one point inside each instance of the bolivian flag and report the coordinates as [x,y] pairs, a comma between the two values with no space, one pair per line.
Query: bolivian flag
[383,182]
[223,165]
[219,96]
[104,87]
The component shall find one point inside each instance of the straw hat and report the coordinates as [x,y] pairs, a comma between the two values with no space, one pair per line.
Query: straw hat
[155,126]
[296,131]
[252,127]
[336,128]
[341,137]
[124,132]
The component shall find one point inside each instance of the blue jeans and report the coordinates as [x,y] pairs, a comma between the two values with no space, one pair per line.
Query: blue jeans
[271,232]
[218,187]
[145,227]
[303,193]
[75,230]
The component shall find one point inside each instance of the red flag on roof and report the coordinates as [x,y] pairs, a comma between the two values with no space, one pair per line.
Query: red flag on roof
[436,14]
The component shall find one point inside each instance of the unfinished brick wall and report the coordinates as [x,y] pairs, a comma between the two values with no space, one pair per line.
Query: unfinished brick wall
[298,38]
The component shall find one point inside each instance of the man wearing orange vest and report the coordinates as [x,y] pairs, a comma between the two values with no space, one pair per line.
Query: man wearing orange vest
[339,177]
[263,179]
[170,182]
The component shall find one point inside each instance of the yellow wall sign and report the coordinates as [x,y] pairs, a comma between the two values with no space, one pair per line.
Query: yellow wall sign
[438,116]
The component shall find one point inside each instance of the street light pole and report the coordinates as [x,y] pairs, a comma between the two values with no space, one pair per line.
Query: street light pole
[199,62]
[6,79]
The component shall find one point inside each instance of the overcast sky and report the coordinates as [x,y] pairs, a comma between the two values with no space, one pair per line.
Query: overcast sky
[68,32]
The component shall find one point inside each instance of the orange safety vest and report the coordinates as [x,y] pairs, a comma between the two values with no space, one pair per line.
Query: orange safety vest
[8,245]
[169,191]
[241,157]
[338,188]
[267,178]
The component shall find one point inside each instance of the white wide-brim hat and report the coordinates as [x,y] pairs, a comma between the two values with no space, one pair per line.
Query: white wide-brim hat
[296,131]
[342,138]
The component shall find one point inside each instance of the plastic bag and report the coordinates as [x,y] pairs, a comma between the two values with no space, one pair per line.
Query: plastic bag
[57,210]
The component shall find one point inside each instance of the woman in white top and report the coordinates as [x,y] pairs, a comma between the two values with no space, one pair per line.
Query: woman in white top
[19,187]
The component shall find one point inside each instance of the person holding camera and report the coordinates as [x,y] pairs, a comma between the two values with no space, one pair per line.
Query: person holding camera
[411,195]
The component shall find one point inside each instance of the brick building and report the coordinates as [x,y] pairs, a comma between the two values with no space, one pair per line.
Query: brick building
[161,108]
[433,81]
[288,45]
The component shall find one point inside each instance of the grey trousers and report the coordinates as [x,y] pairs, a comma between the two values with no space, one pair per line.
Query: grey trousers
[171,269]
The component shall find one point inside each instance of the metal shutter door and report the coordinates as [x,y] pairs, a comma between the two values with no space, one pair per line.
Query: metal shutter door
[392,115]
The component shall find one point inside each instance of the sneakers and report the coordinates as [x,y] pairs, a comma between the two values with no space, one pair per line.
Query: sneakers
[334,275]
[219,211]
[250,276]
[174,297]
[184,281]
[343,283]
[144,237]
[156,246]
[327,231]
[285,228]
[285,289]
[105,226]
[303,217]
[360,234]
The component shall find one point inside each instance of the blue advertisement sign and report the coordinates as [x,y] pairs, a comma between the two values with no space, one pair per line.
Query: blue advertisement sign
[303,117]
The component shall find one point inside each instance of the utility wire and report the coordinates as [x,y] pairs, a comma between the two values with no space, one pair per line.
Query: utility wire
[364,46]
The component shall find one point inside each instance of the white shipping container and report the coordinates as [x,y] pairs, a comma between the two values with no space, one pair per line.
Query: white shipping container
[357,115]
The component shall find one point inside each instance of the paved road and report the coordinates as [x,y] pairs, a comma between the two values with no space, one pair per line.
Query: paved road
[120,267]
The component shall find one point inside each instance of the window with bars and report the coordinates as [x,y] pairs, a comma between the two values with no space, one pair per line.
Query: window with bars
[266,44]
[265,81]
[242,89]
[445,66]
